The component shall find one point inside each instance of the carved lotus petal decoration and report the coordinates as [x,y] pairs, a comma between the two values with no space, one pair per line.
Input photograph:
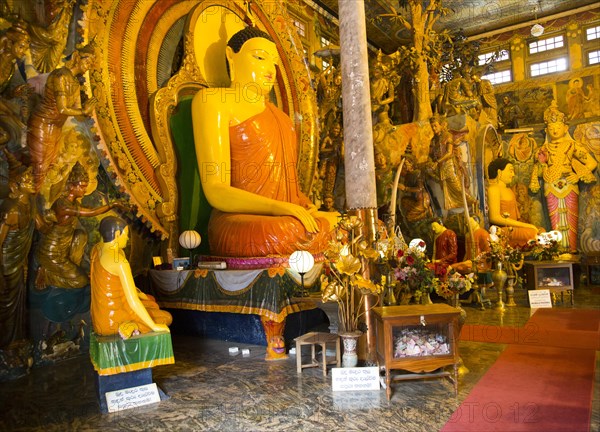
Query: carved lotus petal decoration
[348,265]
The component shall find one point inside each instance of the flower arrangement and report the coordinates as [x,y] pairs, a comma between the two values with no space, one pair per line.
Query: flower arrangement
[455,284]
[503,255]
[501,251]
[414,269]
[347,257]
[545,247]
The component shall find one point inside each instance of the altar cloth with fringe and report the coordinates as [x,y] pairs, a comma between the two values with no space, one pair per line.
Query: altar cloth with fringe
[266,292]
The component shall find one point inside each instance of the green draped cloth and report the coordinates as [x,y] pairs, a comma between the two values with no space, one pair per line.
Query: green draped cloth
[269,294]
[112,355]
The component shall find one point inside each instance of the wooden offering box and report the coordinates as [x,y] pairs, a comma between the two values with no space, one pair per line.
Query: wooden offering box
[417,340]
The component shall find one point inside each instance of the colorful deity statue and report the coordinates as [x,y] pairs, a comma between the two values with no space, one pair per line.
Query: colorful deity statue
[562,162]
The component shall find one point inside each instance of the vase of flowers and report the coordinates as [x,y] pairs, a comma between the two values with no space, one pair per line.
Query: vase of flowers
[348,259]
[453,286]
[506,260]
[546,247]
[415,272]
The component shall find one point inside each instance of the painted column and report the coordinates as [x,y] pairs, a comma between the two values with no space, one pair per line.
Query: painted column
[576,54]
[517,55]
[361,195]
[356,97]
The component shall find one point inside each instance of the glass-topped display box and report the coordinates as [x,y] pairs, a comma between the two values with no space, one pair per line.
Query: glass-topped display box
[555,276]
[417,341]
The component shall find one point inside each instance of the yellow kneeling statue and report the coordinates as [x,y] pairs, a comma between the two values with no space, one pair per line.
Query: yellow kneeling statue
[117,305]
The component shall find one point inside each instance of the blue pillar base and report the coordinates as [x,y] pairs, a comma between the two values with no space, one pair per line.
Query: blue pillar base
[108,383]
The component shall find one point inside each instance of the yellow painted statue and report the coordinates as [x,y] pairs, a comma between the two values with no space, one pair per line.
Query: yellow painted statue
[247,157]
[502,201]
[117,305]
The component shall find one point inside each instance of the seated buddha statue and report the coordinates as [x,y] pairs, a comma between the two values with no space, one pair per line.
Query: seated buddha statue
[247,158]
[503,209]
[118,307]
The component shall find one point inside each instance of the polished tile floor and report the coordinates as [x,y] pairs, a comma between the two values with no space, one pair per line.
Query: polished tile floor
[210,390]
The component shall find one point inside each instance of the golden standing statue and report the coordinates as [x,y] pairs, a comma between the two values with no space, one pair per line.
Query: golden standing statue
[60,101]
[17,221]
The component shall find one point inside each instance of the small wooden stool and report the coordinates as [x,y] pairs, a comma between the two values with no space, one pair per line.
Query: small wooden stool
[316,338]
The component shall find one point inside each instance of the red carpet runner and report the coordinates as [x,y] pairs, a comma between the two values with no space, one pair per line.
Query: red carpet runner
[541,382]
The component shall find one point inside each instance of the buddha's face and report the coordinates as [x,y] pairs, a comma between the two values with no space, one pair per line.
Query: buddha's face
[122,237]
[507,174]
[254,66]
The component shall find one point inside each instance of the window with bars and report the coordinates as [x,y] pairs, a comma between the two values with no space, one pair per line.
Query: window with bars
[324,41]
[592,33]
[300,27]
[594,57]
[487,57]
[548,67]
[499,77]
[546,44]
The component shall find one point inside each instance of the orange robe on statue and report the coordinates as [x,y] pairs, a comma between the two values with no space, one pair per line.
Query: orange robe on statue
[109,307]
[518,235]
[264,162]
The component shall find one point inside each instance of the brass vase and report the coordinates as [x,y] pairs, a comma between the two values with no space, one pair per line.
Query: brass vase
[510,291]
[426,298]
[389,298]
[499,277]
[455,302]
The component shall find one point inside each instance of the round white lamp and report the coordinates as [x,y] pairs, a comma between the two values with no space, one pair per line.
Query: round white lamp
[416,245]
[301,262]
[537,30]
[190,240]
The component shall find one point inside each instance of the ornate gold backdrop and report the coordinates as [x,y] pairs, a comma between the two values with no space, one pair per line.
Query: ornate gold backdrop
[137,44]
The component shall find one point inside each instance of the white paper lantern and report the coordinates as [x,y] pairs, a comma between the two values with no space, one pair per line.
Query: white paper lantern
[190,239]
[415,244]
[537,30]
[301,261]
[556,235]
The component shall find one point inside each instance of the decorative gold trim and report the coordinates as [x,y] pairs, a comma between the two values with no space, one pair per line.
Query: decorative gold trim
[164,25]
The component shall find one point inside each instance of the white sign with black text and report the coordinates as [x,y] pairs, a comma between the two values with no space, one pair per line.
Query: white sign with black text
[132,397]
[540,299]
[355,378]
